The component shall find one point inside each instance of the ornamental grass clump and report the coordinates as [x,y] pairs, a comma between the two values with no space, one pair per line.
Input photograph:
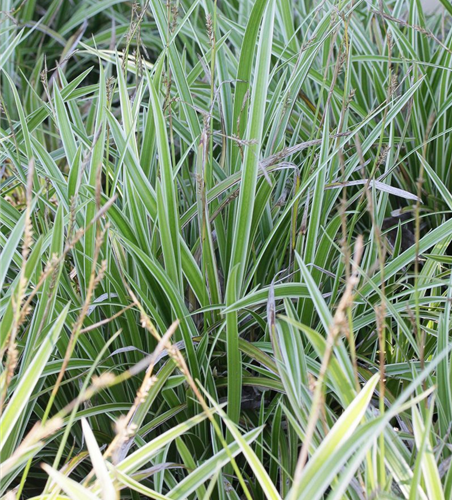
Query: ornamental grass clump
[225,250]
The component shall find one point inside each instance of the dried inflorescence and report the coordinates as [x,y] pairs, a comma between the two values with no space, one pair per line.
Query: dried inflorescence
[210,31]
[143,391]
[34,438]
[103,380]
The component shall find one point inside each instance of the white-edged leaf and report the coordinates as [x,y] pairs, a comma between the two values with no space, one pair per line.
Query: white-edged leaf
[75,490]
[140,488]
[445,193]
[108,491]
[375,184]
[251,457]
[428,463]
[145,453]
[312,481]
[29,379]
[202,473]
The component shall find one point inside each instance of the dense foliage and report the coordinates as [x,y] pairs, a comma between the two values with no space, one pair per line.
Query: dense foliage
[226,249]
